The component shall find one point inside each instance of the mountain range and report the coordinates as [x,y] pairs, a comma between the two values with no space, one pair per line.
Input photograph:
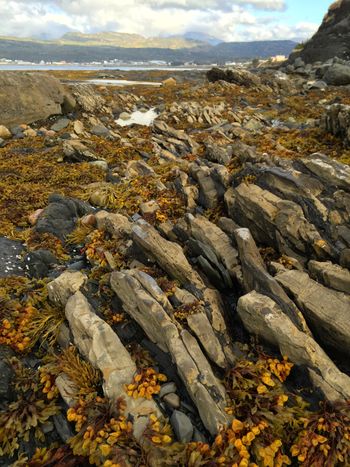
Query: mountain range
[191,47]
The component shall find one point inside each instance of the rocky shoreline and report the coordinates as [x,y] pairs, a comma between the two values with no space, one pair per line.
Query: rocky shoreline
[179,293]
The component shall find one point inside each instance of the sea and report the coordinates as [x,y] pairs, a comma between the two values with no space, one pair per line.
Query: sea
[72,67]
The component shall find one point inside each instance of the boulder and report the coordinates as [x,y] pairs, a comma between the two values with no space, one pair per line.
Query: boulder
[61,215]
[237,76]
[27,97]
[64,286]
[263,317]
[338,74]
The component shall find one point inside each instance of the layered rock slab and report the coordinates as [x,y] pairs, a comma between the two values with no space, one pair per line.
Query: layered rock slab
[263,317]
[137,294]
[327,311]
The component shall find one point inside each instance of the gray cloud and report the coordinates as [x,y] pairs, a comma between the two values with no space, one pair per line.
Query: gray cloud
[229,20]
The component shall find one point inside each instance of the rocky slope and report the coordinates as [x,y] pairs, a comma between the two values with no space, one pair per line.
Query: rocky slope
[178,294]
[333,37]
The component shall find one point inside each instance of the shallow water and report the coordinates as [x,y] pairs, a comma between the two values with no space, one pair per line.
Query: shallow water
[121,82]
[140,118]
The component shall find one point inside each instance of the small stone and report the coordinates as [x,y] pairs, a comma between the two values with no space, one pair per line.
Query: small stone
[33,217]
[167,388]
[60,124]
[150,207]
[100,130]
[170,82]
[103,165]
[30,133]
[5,133]
[89,219]
[172,400]
[182,426]
[124,116]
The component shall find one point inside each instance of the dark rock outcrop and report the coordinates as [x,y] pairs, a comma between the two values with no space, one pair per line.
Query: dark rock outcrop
[333,37]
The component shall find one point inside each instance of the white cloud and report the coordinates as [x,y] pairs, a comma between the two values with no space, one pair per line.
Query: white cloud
[230,20]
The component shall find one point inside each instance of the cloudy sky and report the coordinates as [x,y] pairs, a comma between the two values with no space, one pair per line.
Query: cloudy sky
[229,20]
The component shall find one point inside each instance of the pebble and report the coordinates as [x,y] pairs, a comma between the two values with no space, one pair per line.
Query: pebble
[173,400]
[167,388]
[182,426]
[60,124]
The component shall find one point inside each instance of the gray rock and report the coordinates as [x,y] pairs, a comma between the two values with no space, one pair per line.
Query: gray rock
[167,388]
[61,215]
[76,151]
[327,311]
[64,286]
[331,275]
[256,277]
[337,75]
[61,124]
[101,164]
[98,343]
[337,121]
[62,427]
[100,130]
[38,263]
[182,426]
[145,302]
[263,317]
[172,400]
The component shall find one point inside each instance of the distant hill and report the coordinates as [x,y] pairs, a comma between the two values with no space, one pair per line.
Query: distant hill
[202,37]
[131,41]
[76,47]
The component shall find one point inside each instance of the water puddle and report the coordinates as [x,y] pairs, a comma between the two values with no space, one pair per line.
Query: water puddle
[121,82]
[140,118]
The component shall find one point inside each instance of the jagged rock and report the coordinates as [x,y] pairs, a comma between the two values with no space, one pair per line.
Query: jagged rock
[237,76]
[256,277]
[208,233]
[276,222]
[263,317]
[212,181]
[139,169]
[332,38]
[27,97]
[326,310]
[61,215]
[64,286]
[76,151]
[115,224]
[337,121]
[169,255]
[133,288]
[98,343]
[88,99]
[331,172]
[331,275]
[219,154]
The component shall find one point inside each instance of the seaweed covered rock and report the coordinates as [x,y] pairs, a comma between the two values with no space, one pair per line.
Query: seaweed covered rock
[27,97]
[61,216]
[237,76]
